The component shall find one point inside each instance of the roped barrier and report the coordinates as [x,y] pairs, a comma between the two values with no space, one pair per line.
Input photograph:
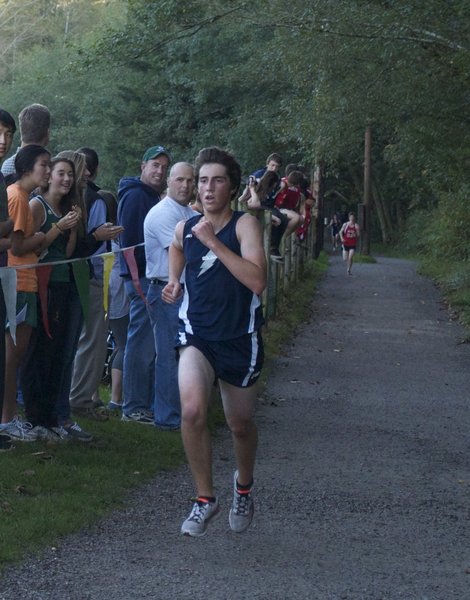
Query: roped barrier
[280,274]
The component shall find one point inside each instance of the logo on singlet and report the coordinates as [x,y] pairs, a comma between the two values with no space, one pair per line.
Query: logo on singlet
[208,261]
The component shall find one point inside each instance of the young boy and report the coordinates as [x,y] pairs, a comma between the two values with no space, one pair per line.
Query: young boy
[219,332]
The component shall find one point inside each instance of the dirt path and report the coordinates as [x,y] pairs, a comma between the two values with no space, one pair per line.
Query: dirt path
[363,477]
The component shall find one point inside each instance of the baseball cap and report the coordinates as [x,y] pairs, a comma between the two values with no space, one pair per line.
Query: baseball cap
[155,151]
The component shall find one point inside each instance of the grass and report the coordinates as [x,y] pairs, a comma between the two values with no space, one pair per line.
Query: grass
[48,490]
[364,258]
[453,278]
[388,250]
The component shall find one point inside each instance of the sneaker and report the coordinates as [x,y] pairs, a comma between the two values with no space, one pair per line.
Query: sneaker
[174,428]
[276,257]
[96,413]
[6,442]
[140,416]
[47,434]
[241,513]
[201,513]
[61,434]
[20,431]
[114,406]
[75,432]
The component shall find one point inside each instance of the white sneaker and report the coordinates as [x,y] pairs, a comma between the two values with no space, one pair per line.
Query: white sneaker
[20,431]
[201,513]
[241,513]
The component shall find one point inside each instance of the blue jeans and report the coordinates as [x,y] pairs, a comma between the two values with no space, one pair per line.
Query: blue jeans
[139,355]
[164,320]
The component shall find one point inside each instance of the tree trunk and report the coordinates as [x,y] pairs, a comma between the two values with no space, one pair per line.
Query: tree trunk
[382,213]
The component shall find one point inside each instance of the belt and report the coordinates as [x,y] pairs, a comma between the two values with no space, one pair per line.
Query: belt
[158,281]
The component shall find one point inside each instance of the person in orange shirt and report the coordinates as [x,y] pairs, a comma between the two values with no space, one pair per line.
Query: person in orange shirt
[32,164]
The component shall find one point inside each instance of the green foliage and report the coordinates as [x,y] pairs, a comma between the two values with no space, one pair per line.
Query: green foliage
[453,277]
[442,233]
[299,78]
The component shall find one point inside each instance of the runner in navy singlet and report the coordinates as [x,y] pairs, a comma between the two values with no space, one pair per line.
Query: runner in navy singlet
[219,336]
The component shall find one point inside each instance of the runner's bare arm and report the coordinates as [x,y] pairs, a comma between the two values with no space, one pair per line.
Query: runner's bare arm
[176,261]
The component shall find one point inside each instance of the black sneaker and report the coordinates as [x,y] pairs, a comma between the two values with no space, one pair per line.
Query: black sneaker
[75,432]
[174,428]
[6,443]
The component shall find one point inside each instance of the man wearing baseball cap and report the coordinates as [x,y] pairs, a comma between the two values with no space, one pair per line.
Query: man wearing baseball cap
[137,195]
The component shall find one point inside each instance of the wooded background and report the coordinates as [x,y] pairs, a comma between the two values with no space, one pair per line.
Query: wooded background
[298,77]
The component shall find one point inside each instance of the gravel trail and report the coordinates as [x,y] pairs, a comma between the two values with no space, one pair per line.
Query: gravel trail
[362,482]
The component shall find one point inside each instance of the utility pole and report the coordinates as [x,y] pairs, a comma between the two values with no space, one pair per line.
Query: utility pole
[365,224]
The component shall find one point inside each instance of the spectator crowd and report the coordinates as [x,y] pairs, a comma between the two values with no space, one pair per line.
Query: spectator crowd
[80,264]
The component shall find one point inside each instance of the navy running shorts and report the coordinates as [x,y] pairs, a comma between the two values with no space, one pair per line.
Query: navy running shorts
[238,361]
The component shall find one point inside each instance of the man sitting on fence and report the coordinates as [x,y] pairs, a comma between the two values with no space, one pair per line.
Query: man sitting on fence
[267,183]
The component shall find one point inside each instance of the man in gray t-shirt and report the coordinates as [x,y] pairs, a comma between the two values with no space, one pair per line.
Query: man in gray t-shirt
[159,227]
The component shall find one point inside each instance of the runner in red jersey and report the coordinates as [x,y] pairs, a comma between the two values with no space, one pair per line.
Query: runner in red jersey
[349,235]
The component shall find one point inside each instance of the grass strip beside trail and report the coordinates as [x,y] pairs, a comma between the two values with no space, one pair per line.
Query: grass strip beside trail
[453,279]
[48,490]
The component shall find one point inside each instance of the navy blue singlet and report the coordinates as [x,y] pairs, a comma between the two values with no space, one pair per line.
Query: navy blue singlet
[216,306]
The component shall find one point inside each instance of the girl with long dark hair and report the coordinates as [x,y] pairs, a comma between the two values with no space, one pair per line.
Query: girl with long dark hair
[32,165]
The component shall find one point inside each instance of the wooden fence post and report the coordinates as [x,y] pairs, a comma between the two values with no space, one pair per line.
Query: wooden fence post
[281,275]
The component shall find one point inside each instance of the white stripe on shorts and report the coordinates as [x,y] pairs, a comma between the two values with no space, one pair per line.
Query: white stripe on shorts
[254,356]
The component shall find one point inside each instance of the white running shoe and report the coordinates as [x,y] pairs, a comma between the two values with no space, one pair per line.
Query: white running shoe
[201,513]
[241,513]
[20,430]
